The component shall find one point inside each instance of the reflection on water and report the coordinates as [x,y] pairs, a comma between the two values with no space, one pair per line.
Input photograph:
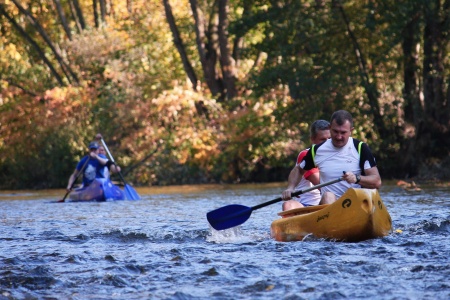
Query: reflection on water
[162,247]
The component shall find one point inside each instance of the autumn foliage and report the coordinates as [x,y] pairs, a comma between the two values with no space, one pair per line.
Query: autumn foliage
[201,91]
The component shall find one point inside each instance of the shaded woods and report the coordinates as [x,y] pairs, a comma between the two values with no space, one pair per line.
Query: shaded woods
[219,91]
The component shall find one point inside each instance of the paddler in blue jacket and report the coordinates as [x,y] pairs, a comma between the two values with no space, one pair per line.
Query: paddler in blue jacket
[92,166]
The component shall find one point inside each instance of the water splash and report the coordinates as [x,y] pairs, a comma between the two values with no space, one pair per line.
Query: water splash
[234,235]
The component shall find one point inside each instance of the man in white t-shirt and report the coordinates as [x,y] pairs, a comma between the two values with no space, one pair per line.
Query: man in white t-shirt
[342,156]
[299,179]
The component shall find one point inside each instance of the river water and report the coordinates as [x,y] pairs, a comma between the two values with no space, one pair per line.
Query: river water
[162,247]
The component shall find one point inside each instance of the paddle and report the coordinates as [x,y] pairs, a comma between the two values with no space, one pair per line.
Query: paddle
[235,214]
[73,183]
[130,192]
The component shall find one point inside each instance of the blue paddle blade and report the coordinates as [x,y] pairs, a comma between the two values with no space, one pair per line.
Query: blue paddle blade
[130,193]
[228,216]
[111,191]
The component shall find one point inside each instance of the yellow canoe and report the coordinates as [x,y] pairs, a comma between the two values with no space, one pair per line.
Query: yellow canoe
[358,215]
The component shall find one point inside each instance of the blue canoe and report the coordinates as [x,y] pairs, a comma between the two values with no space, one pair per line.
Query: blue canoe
[101,189]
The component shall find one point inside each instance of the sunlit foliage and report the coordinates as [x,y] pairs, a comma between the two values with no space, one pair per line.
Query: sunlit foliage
[69,73]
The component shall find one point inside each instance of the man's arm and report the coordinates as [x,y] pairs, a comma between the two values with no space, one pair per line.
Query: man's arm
[294,179]
[371,179]
[72,180]
[101,160]
[313,176]
[115,168]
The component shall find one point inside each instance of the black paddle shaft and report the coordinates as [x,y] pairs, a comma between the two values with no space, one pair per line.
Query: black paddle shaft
[112,159]
[130,193]
[296,193]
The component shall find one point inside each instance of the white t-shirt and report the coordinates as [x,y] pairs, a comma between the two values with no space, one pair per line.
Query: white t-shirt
[333,161]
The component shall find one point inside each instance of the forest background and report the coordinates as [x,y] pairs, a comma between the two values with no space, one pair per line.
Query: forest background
[204,91]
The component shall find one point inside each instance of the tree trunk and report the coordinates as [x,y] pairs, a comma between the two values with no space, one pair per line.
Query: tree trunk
[102,11]
[437,109]
[226,60]
[412,108]
[179,45]
[429,113]
[130,6]
[94,8]
[63,18]
[80,15]
[75,17]
[207,45]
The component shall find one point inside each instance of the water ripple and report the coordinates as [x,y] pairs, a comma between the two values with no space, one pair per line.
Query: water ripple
[163,248]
